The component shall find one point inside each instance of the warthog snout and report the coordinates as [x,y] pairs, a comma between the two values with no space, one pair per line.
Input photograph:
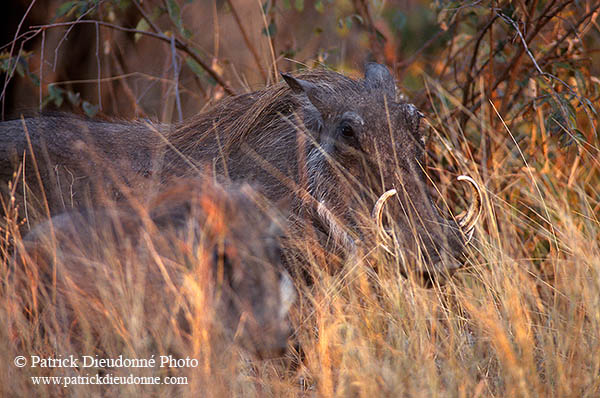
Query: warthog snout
[368,149]
[447,238]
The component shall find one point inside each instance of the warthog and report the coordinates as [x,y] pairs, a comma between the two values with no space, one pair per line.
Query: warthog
[321,144]
[188,254]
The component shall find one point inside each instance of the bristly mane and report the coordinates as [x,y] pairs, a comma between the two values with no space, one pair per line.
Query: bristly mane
[235,119]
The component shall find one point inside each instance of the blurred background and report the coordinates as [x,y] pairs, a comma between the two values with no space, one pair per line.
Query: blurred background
[477,69]
[101,69]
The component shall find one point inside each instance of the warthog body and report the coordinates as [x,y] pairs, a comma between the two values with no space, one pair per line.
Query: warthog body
[190,257]
[325,145]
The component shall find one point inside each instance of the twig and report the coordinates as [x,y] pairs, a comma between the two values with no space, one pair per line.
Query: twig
[247,40]
[12,48]
[98,66]
[362,8]
[176,78]
[470,76]
[572,30]
[216,30]
[184,47]
[146,17]
[22,36]
[178,44]
[550,53]
[266,26]
[529,38]
[62,39]
[548,75]
[543,20]
[42,68]
[425,46]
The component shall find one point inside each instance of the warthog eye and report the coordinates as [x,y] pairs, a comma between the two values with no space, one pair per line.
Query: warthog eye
[347,131]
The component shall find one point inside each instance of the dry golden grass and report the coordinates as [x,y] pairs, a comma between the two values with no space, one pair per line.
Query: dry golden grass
[523,320]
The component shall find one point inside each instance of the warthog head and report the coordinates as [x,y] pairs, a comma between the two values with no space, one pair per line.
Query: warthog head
[240,238]
[197,252]
[367,143]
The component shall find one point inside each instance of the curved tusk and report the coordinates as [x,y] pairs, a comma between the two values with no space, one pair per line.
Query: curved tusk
[335,228]
[378,215]
[468,219]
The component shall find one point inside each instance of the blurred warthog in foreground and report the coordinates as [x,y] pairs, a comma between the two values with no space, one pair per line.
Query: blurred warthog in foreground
[321,144]
[197,255]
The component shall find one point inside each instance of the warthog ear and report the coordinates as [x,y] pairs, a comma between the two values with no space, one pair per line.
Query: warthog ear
[313,118]
[300,86]
[377,76]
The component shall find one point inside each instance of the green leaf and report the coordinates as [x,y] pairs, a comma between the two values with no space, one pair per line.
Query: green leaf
[123,4]
[82,8]
[143,26]
[65,9]
[564,65]
[34,79]
[290,53]
[174,13]
[299,5]
[398,20]
[21,67]
[319,6]
[55,95]
[186,33]
[74,98]
[581,83]
[195,67]
[348,22]
[266,6]
[89,109]
[271,30]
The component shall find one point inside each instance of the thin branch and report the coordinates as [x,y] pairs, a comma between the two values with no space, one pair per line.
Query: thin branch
[23,36]
[183,46]
[361,7]
[548,75]
[572,30]
[42,68]
[178,44]
[543,20]
[146,17]
[247,40]
[470,76]
[176,78]
[428,43]
[550,53]
[270,41]
[530,37]
[12,48]
[98,66]
[62,39]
